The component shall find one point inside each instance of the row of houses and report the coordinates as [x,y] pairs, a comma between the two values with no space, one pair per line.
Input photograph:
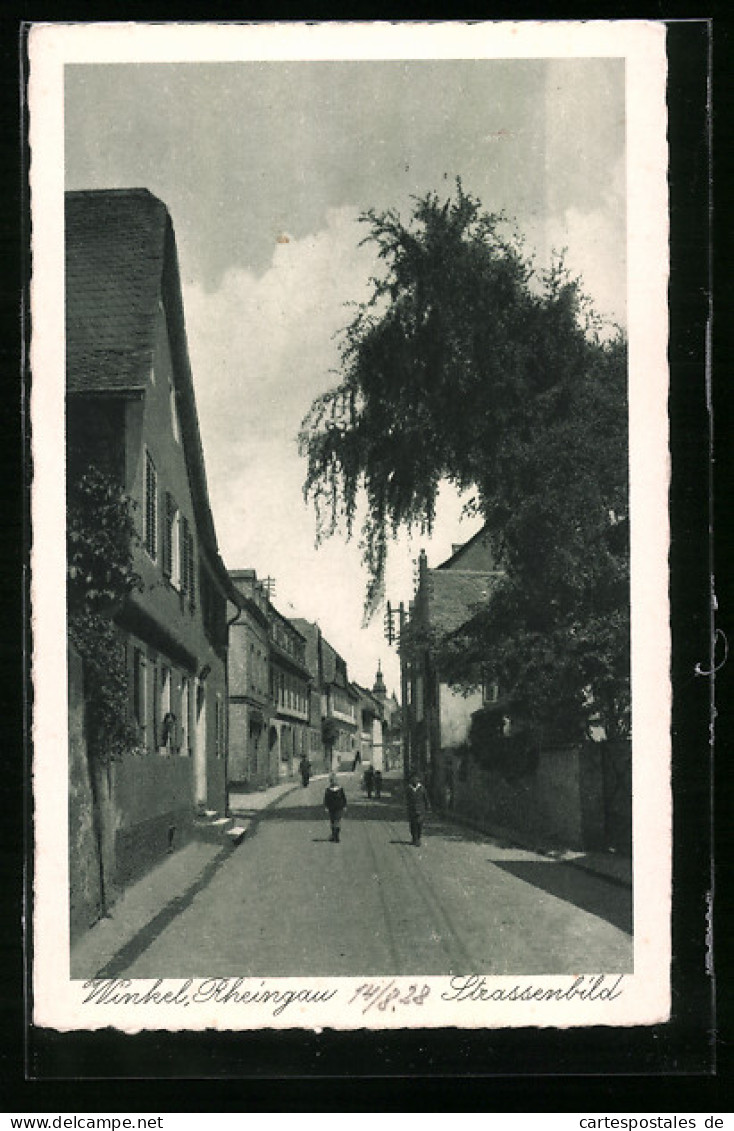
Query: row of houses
[224,691]
[290,698]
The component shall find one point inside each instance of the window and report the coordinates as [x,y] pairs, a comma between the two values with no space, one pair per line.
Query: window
[174,414]
[172,543]
[165,728]
[185,715]
[140,698]
[150,517]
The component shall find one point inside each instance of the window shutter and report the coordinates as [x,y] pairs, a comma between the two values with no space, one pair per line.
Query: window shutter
[192,573]
[156,708]
[151,506]
[185,554]
[168,535]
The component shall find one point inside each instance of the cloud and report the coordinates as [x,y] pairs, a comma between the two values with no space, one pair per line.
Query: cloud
[262,347]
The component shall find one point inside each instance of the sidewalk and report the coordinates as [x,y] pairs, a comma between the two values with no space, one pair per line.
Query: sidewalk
[159,891]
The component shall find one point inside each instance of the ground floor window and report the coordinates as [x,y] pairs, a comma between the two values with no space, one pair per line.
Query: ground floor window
[140,696]
[185,732]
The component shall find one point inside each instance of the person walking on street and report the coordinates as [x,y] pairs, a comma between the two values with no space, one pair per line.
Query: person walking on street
[335,802]
[378,783]
[305,767]
[418,807]
[369,780]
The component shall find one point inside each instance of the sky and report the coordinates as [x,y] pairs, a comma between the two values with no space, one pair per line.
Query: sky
[265,168]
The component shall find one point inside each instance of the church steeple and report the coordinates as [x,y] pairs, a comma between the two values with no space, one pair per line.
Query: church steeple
[378,687]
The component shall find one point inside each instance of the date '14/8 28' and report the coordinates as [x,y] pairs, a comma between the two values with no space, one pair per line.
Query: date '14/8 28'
[388,995]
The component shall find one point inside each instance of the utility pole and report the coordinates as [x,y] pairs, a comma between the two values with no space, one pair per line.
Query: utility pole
[404,691]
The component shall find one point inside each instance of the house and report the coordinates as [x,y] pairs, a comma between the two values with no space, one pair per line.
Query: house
[131,412]
[338,709]
[370,718]
[317,751]
[252,763]
[334,727]
[438,715]
[290,683]
[392,723]
[473,746]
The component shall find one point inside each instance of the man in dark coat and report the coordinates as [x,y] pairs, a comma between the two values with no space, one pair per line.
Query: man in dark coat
[418,807]
[335,802]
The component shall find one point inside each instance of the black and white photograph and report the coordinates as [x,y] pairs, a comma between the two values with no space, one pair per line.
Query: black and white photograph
[351,653]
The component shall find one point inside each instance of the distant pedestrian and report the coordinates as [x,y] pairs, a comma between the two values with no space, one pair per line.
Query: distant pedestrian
[418,807]
[305,767]
[335,802]
[369,780]
[378,783]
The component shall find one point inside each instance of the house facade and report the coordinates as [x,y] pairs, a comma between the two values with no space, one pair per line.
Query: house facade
[290,684]
[438,716]
[250,708]
[131,412]
[316,749]
[371,723]
[339,710]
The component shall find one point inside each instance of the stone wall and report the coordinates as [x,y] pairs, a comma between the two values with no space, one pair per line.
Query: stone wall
[560,802]
[153,809]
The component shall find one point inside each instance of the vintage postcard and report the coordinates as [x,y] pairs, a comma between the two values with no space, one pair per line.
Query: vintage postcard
[350,528]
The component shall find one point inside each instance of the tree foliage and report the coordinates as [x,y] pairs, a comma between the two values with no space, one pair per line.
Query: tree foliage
[100,574]
[468,366]
[329,731]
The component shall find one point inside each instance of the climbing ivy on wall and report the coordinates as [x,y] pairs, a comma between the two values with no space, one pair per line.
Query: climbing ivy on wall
[100,539]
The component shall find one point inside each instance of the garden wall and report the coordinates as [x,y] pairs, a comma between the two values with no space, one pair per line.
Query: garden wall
[560,801]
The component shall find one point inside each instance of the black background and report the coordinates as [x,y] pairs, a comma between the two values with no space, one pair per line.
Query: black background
[679,1067]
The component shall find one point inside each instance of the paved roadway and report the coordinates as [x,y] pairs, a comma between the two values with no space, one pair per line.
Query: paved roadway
[289,902]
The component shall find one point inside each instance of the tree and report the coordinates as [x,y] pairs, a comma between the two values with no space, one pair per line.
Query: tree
[466,365]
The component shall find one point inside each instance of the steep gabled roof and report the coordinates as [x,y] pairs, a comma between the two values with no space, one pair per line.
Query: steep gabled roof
[115,251]
[480,544]
[454,596]
[121,263]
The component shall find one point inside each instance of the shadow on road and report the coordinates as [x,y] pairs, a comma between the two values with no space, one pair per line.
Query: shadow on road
[356,811]
[608,901]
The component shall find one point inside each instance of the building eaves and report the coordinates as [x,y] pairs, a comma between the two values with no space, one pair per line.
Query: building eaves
[287,661]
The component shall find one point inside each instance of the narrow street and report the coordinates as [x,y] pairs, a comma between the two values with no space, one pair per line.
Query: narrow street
[289,902]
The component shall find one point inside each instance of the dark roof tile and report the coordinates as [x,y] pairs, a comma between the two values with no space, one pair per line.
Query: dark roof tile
[455,596]
[115,248]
